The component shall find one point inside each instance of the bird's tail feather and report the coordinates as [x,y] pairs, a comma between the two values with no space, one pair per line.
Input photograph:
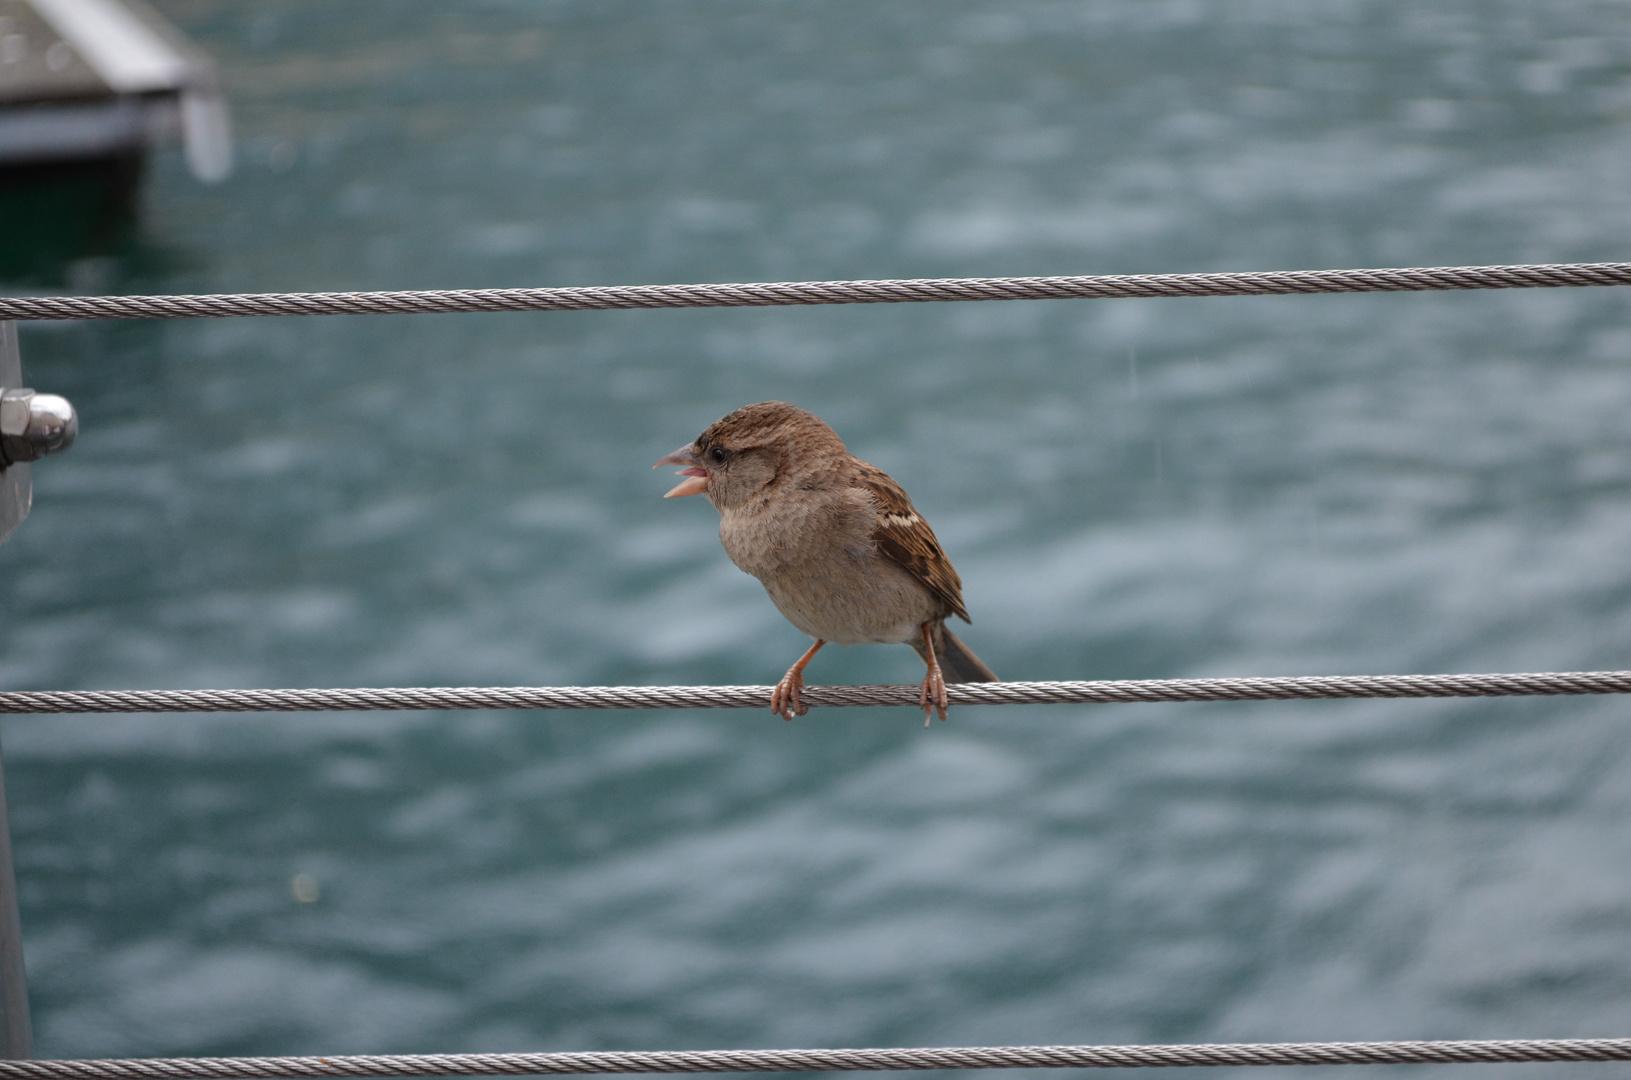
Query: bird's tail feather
[957,661]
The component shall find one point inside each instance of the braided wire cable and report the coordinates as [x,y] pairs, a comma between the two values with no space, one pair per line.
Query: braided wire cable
[704,1061]
[1306,687]
[776,293]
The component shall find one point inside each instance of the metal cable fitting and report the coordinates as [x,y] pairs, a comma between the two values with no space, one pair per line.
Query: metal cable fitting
[33,425]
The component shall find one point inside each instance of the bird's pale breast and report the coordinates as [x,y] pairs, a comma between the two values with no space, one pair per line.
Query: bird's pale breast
[818,561]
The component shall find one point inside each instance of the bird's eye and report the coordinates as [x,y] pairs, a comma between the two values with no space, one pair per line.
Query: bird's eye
[718,454]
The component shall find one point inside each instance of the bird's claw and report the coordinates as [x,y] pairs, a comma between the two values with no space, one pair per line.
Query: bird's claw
[931,698]
[786,700]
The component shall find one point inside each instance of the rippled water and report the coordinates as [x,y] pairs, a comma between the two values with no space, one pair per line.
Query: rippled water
[1131,488]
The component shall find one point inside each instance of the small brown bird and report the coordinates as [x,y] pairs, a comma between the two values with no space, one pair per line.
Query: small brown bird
[835,541]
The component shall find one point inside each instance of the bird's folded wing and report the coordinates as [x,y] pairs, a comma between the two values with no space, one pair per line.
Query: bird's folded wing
[906,540]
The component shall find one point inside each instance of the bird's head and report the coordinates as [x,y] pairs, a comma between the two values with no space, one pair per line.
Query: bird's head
[744,453]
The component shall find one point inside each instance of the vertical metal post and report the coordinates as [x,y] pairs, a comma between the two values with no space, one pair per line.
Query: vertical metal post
[16,495]
[16,1034]
[16,484]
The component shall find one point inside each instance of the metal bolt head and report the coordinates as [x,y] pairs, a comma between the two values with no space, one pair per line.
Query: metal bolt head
[34,425]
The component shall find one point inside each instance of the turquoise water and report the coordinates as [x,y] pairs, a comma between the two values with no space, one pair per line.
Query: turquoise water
[1130,489]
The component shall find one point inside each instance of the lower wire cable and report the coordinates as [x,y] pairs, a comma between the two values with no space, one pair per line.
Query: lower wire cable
[1482,1051]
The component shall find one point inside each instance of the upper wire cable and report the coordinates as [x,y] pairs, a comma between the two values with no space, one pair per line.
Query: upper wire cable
[793,293]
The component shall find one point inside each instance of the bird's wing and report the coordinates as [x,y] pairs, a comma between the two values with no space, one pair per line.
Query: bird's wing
[906,539]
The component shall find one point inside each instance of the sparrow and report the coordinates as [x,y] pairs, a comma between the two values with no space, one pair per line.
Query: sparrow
[835,542]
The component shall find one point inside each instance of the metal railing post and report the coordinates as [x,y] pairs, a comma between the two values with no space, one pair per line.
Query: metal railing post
[16,495]
[31,426]
[16,1034]
[16,486]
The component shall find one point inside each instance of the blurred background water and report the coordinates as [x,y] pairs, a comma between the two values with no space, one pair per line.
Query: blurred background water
[1130,489]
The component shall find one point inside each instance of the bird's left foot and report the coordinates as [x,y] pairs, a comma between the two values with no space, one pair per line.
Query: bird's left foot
[932,697]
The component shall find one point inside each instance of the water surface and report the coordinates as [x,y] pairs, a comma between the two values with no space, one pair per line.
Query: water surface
[1130,489]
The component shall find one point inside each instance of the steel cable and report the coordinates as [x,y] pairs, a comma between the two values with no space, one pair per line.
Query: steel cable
[1305,687]
[764,294]
[692,1061]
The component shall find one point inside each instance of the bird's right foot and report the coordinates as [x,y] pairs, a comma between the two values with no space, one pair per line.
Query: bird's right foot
[785,701]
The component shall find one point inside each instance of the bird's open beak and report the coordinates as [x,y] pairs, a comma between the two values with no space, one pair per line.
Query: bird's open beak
[696,477]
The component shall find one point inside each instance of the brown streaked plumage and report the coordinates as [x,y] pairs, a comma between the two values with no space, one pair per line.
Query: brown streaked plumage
[835,541]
